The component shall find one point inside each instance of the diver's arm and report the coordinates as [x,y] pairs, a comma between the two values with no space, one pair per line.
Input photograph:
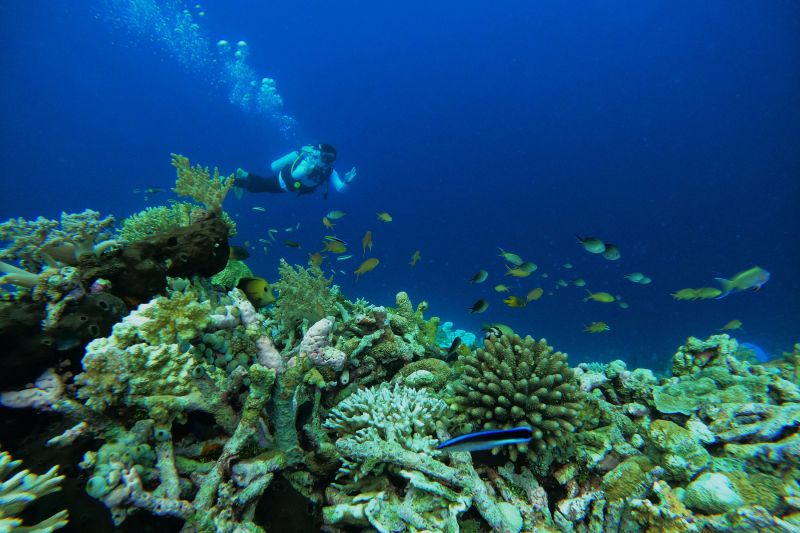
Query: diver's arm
[278,164]
[338,183]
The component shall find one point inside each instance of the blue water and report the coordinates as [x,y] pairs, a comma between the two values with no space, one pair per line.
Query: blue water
[668,128]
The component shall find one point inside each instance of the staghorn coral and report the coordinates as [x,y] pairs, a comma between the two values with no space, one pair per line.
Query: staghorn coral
[514,382]
[197,182]
[17,491]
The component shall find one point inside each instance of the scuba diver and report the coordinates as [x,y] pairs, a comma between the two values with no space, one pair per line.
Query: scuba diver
[300,171]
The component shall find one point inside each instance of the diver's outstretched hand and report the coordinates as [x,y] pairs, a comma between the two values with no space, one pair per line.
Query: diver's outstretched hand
[351,175]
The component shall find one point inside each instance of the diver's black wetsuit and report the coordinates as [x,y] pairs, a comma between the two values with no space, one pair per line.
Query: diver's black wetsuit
[253,183]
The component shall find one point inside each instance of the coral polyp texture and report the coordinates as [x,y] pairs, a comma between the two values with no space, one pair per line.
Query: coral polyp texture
[198,183]
[20,489]
[513,382]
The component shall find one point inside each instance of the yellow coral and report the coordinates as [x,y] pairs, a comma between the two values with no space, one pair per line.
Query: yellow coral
[196,181]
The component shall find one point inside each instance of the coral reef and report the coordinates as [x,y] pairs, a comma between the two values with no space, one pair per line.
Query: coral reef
[160,219]
[192,404]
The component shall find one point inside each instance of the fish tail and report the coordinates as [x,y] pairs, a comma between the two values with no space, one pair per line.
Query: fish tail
[588,297]
[727,287]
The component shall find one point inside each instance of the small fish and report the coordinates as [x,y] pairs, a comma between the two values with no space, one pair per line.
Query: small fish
[707,293]
[149,190]
[516,272]
[259,208]
[366,266]
[646,281]
[685,294]
[343,257]
[501,288]
[334,238]
[635,277]
[335,215]
[287,230]
[515,302]
[486,440]
[603,297]
[733,324]
[327,223]
[567,265]
[415,258]
[452,351]
[479,307]
[562,283]
[263,241]
[292,244]
[335,247]
[528,266]
[366,242]
[514,259]
[239,253]
[479,277]
[535,294]
[596,327]
[611,252]
[579,282]
[315,258]
[271,234]
[497,329]
[257,291]
[592,244]
[750,279]
[624,305]
[545,275]
[383,216]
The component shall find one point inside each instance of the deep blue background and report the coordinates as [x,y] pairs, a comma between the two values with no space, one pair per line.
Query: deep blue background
[669,128]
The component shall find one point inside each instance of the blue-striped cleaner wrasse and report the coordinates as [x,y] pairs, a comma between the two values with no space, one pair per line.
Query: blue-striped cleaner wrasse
[486,440]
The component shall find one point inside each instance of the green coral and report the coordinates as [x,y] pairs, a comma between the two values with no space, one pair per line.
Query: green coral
[197,182]
[428,373]
[304,294]
[514,382]
[233,272]
[19,490]
[160,219]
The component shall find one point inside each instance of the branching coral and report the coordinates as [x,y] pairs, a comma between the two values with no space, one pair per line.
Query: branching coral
[514,382]
[305,294]
[160,219]
[19,490]
[197,182]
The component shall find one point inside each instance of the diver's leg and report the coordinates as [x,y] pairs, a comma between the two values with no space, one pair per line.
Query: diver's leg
[253,183]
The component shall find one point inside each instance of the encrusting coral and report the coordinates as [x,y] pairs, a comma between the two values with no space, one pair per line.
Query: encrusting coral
[513,382]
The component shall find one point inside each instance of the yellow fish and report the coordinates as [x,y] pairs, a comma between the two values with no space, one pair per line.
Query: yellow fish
[315,258]
[579,282]
[501,288]
[685,294]
[383,216]
[707,293]
[517,272]
[515,301]
[366,266]
[733,324]
[415,258]
[592,244]
[603,297]
[334,215]
[596,327]
[366,242]
[257,291]
[292,244]
[335,247]
[327,223]
[528,266]
[535,294]
[514,259]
